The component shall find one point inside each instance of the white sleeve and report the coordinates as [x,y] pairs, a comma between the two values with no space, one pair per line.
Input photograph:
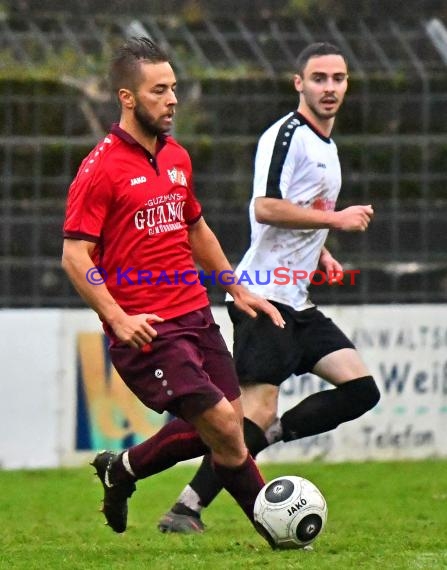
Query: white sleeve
[294,159]
[277,159]
[263,160]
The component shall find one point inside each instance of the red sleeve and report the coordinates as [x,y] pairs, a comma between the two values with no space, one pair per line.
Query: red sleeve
[89,199]
[193,209]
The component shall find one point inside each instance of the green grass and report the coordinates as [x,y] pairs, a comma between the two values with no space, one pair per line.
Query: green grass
[381,516]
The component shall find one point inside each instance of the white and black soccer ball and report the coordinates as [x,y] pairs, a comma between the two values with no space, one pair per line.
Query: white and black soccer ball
[291,510]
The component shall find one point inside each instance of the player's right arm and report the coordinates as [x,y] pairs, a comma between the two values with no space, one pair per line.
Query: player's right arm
[283,214]
[134,330]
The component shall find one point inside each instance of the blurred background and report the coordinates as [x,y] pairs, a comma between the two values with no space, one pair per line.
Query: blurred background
[234,62]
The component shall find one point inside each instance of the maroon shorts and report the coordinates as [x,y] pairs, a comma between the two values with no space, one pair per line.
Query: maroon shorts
[187,370]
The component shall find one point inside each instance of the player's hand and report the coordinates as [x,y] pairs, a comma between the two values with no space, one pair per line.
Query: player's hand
[332,268]
[136,330]
[354,218]
[252,304]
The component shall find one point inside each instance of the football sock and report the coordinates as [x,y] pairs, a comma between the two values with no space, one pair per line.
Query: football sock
[243,483]
[255,439]
[274,433]
[125,460]
[182,509]
[325,410]
[188,499]
[176,441]
[205,484]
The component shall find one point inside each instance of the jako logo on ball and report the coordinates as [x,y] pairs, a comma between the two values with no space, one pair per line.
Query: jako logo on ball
[291,510]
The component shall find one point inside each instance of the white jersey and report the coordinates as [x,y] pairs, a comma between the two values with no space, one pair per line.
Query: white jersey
[294,162]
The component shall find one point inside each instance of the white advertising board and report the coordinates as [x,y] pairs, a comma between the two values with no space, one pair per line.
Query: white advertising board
[30,402]
[60,400]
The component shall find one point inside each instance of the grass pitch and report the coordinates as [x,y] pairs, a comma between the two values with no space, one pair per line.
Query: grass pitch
[381,516]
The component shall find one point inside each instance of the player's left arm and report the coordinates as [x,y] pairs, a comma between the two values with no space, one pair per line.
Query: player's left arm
[208,253]
[332,267]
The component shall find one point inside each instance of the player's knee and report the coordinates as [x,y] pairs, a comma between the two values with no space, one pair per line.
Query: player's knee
[363,393]
[222,431]
[230,451]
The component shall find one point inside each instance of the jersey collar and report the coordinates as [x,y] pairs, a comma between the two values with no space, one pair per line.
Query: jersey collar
[126,137]
[319,134]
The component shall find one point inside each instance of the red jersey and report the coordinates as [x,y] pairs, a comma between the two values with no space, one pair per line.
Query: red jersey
[136,208]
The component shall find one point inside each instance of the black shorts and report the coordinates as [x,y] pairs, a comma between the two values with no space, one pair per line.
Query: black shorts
[267,354]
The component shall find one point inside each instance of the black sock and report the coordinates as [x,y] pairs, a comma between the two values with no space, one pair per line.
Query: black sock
[181,509]
[325,410]
[205,482]
[255,439]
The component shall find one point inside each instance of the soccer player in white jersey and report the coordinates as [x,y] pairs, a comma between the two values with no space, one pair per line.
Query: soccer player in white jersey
[296,184]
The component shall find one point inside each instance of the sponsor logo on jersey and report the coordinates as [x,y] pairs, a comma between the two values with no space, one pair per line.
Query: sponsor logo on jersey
[161,217]
[321,203]
[177,176]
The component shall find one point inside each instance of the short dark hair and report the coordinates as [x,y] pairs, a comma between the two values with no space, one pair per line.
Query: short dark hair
[125,68]
[316,50]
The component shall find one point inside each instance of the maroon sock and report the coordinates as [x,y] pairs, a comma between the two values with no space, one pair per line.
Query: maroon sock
[243,483]
[176,441]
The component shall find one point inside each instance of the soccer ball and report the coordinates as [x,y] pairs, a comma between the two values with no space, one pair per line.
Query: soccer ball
[291,510]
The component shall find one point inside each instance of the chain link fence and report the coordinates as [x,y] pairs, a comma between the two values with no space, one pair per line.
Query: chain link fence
[234,80]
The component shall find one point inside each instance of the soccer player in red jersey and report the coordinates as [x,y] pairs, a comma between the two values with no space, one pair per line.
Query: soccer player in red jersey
[132,233]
